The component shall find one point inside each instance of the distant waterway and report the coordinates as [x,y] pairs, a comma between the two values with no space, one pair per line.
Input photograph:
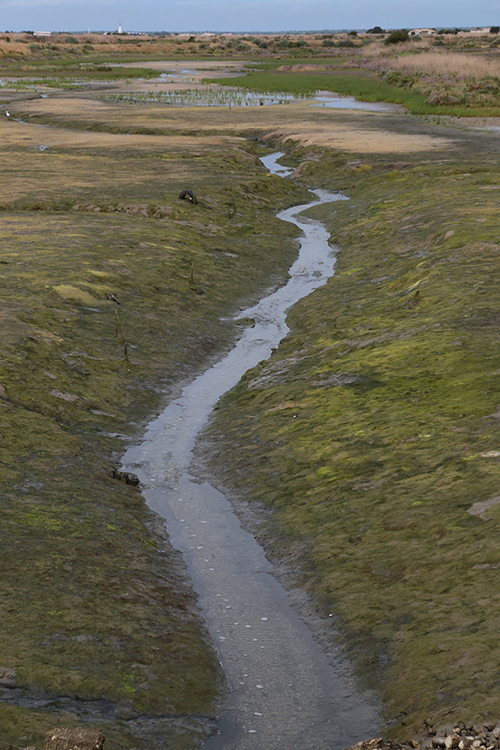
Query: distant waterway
[284,692]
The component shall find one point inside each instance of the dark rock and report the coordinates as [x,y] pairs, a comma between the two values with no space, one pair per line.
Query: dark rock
[188,195]
[125,476]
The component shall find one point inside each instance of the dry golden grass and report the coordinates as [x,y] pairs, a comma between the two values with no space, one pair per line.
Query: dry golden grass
[445,63]
[344,137]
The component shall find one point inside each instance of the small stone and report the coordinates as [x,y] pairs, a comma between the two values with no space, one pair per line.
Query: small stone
[125,711]
[438,742]
[3,392]
[7,677]
[451,741]
[64,396]
[73,738]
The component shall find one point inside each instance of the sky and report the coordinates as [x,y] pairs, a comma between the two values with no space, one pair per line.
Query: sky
[237,16]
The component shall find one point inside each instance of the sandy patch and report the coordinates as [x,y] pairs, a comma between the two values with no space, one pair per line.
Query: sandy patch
[195,68]
[359,140]
[42,137]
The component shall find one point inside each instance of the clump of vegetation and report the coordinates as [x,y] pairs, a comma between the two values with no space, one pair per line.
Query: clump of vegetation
[459,79]
[397,37]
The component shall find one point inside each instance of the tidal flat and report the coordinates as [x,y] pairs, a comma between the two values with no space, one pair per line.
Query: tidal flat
[362,442]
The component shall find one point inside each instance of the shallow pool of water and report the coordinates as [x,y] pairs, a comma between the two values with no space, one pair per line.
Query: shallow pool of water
[283,690]
[336,101]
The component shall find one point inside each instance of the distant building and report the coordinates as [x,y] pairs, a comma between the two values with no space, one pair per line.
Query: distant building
[422,32]
[42,33]
[480,31]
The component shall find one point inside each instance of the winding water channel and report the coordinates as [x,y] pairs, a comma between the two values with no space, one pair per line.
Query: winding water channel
[284,692]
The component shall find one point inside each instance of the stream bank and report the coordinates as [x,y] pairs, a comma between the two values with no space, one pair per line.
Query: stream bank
[282,688]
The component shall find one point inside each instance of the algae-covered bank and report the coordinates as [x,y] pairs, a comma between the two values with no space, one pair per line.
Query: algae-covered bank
[368,446]
[113,291]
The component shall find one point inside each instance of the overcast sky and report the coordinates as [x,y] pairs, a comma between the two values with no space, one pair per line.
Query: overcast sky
[234,15]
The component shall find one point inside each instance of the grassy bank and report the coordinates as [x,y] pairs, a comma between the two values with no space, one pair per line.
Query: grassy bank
[112,294]
[434,97]
[372,433]
[364,86]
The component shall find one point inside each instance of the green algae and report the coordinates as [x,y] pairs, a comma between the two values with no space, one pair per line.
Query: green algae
[373,429]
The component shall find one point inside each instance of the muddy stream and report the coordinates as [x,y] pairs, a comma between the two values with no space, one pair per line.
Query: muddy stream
[284,692]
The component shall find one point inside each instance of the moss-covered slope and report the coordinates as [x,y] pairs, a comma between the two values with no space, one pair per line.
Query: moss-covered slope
[373,431]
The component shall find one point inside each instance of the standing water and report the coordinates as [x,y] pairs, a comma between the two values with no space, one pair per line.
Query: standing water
[283,691]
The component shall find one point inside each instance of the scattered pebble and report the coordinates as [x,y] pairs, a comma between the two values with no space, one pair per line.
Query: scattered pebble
[458,736]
